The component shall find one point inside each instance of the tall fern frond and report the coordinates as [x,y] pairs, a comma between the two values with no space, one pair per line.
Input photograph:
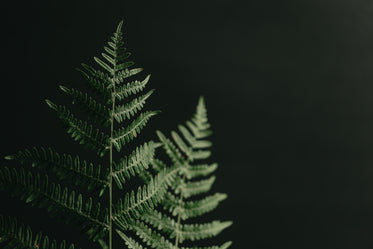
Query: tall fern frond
[112,121]
[19,236]
[184,151]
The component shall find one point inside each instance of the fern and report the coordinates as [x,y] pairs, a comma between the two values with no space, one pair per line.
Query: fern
[112,123]
[114,117]
[167,228]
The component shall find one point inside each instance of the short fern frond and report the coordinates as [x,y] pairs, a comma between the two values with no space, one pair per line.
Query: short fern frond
[182,150]
[65,167]
[19,236]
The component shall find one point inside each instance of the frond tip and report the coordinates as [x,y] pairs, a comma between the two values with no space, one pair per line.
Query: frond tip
[183,150]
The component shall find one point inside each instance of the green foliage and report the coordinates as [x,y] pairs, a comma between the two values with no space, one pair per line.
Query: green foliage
[66,167]
[158,229]
[114,117]
[19,236]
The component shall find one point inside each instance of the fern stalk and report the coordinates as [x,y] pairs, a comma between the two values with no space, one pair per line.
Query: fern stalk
[179,215]
[111,167]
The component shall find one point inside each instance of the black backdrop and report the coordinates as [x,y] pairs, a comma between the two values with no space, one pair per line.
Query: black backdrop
[288,86]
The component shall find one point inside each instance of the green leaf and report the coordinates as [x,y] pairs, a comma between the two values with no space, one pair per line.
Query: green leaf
[97,81]
[58,202]
[130,242]
[195,188]
[82,132]
[133,205]
[185,232]
[191,209]
[172,151]
[104,65]
[193,171]
[125,135]
[19,236]
[151,238]
[128,110]
[135,164]
[131,88]
[65,166]
[98,112]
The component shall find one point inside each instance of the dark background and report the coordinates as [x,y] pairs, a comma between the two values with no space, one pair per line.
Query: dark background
[288,86]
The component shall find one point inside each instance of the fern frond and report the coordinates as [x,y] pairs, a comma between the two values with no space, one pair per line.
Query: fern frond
[128,110]
[124,135]
[136,163]
[131,88]
[81,131]
[19,236]
[65,167]
[132,206]
[58,202]
[130,242]
[183,150]
[98,112]
[190,209]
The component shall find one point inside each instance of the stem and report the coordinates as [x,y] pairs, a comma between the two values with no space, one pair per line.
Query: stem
[179,217]
[111,168]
